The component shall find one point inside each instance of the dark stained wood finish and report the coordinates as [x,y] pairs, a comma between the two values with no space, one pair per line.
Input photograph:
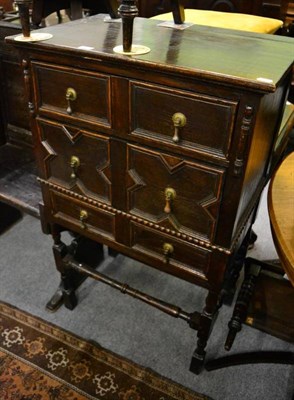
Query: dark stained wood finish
[161,128]
[92,106]
[42,8]
[7,5]
[197,192]
[122,133]
[271,308]
[15,118]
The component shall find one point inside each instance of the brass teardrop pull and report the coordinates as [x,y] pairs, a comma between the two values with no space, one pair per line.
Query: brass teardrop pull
[168,250]
[83,218]
[71,95]
[74,165]
[170,195]
[179,120]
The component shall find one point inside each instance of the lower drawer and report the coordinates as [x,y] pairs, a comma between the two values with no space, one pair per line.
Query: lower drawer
[180,257]
[84,217]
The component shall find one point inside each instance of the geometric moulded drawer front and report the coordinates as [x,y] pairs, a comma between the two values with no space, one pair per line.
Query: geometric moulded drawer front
[174,193]
[76,160]
[72,93]
[205,123]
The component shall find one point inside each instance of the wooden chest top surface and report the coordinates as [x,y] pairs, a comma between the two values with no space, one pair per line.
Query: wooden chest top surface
[236,58]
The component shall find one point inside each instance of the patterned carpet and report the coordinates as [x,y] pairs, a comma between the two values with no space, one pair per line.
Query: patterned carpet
[39,361]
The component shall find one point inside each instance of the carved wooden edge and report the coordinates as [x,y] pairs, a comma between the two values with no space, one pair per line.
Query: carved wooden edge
[139,220]
[245,129]
[27,83]
[142,221]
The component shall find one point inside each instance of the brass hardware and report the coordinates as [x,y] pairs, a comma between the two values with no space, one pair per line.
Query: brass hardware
[170,195]
[179,120]
[83,218]
[168,250]
[71,95]
[74,164]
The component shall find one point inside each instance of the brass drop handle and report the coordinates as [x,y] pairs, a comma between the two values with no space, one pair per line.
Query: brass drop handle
[168,250]
[179,120]
[74,165]
[83,218]
[71,95]
[170,195]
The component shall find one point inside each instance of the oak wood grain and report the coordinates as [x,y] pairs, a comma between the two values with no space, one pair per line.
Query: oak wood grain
[281,212]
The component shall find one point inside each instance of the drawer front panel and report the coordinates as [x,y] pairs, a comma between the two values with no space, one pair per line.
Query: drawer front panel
[81,216]
[192,208]
[92,103]
[208,121]
[77,160]
[169,251]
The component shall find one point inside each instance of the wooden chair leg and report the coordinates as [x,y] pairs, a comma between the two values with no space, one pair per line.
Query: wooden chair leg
[76,9]
[178,11]
[37,13]
[112,8]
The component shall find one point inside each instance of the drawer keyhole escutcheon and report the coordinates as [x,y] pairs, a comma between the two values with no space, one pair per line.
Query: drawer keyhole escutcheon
[83,218]
[179,120]
[71,95]
[74,165]
[168,250]
[170,195]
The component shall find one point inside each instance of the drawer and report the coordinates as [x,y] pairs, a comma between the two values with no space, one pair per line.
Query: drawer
[173,255]
[76,159]
[182,120]
[174,193]
[77,215]
[70,92]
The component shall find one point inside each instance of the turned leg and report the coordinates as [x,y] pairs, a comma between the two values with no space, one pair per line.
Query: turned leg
[207,319]
[82,250]
[67,288]
[242,303]
[234,270]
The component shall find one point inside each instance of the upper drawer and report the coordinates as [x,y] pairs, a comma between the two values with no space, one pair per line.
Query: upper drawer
[70,92]
[182,120]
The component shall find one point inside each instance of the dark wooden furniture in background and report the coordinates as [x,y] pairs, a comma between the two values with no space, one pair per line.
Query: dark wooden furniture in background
[14,109]
[7,5]
[157,156]
[18,185]
[272,307]
[43,8]
[266,298]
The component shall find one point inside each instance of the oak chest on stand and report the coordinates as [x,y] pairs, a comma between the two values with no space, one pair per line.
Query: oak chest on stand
[162,156]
